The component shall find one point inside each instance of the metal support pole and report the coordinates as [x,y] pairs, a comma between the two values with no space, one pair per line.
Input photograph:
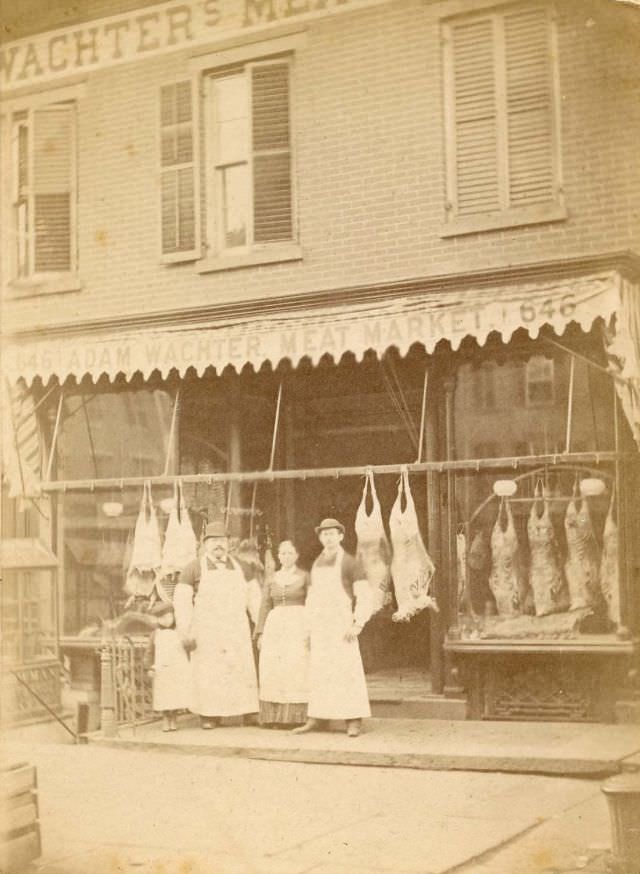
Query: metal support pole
[624,567]
[275,428]
[434,515]
[452,686]
[572,373]
[90,436]
[172,432]
[52,451]
[237,476]
[108,722]
[423,414]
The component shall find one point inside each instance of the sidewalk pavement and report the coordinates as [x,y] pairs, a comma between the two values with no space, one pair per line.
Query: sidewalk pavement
[570,749]
[122,811]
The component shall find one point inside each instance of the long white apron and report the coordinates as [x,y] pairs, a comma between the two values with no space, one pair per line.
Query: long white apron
[284,656]
[171,681]
[224,672]
[337,686]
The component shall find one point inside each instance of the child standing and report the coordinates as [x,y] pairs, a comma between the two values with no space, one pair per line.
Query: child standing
[169,666]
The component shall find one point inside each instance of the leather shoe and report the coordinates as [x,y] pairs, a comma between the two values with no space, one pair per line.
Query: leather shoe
[353,729]
[310,725]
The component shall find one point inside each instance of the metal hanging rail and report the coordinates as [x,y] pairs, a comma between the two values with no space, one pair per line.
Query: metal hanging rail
[467,464]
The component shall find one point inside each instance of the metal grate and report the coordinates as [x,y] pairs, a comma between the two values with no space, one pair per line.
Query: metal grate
[132,687]
[539,694]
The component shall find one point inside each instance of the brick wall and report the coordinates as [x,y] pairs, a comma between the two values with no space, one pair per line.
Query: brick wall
[370,167]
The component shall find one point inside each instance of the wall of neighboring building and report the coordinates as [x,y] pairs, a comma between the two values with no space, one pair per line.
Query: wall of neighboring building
[368,127]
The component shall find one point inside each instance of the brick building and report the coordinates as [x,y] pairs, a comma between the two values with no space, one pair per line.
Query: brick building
[225,215]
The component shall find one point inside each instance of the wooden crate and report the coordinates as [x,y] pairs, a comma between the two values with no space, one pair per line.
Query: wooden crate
[19,818]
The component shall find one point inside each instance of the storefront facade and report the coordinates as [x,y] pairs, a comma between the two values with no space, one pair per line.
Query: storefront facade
[323,240]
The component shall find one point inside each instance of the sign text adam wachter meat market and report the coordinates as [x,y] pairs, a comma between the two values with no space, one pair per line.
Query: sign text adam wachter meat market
[333,334]
[149,31]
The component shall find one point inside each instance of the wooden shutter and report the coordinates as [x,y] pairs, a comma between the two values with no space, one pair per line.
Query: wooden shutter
[53,131]
[529,107]
[500,114]
[272,211]
[475,118]
[177,171]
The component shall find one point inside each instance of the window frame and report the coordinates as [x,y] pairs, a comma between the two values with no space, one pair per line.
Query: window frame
[196,122]
[532,403]
[507,216]
[205,69]
[39,282]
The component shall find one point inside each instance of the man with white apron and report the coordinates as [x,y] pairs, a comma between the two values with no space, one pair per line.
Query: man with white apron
[338,605]
[211,601]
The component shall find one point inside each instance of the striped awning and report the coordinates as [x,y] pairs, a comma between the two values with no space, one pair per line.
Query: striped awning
[21,443]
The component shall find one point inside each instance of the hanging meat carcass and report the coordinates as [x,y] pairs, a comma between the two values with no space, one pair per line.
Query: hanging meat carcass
[507,579]
[373,547]
[146,554]
[411,566]
[582,567]
[478,567]
[180,545]
[546,578]
[609,570]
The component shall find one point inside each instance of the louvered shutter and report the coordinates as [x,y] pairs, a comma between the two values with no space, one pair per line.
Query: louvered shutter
[53,130]
[272,212]
[529,107]
[500,137]
[475,118]
[177,171]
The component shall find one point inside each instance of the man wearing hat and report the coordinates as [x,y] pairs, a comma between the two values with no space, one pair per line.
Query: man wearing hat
[212,599]
[338,605]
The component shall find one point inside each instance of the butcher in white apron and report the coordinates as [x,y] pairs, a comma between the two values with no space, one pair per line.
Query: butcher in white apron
[211,600]
[339,604]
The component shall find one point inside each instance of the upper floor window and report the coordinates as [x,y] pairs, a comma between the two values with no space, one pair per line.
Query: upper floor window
[485,385]
[177,171]
[227,159]
[43,190]
[502,129]
[539,381]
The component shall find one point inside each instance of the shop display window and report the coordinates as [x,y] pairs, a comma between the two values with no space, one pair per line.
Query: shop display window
[28,618]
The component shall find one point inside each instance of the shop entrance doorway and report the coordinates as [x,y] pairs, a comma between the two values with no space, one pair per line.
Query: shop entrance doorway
[351,414]
[363,414]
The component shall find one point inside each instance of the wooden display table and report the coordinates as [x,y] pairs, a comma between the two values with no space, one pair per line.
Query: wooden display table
[576,679]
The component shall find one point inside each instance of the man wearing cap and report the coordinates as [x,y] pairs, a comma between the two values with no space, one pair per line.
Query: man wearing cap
[338,606]
[212,598]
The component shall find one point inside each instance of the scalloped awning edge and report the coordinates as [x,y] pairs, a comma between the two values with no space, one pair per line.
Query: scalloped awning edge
[427,319]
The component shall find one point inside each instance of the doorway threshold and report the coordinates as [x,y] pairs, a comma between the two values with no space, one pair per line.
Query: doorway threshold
[406,693]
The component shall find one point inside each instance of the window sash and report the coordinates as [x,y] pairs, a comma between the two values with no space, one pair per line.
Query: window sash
[179,192]
[43,207]
[270,186]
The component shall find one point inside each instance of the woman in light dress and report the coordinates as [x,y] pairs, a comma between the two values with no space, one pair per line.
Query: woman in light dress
[282,639]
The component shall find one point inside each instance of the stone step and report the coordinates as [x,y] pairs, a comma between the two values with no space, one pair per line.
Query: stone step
[427,707]
[568,749]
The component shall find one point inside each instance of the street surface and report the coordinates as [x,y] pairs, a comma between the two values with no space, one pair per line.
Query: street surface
[111,811]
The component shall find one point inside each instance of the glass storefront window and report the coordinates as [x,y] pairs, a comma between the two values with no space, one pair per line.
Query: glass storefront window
[114,434]
[28,616]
